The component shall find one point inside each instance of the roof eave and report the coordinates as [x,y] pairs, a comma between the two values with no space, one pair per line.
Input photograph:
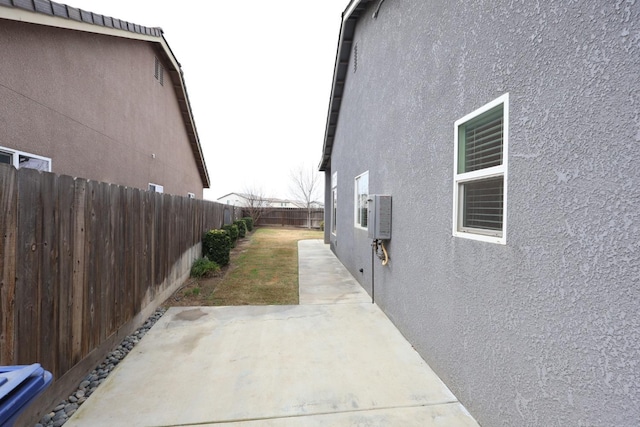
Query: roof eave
[180,87]
[347,30]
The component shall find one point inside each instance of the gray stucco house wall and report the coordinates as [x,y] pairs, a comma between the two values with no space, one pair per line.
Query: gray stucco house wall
[543,328]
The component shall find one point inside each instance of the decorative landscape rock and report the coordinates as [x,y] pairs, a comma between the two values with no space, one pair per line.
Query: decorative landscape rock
[61,413]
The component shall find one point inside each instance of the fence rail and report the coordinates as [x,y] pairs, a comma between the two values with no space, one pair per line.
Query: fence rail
[290,217]
[84,263]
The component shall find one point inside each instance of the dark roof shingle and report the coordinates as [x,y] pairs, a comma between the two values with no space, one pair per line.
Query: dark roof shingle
[52,8]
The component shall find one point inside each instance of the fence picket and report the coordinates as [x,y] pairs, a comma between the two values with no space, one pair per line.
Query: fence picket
[290,217]
[8,238]
[81,259]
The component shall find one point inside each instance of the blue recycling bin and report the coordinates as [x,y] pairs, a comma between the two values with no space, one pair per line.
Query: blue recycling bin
[19,385]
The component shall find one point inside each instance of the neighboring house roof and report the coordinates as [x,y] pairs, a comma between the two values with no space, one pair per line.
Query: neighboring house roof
[350,16]
[243,195]
[45,12]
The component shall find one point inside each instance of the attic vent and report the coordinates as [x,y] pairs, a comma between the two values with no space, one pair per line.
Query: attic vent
[159,72]
[355,57]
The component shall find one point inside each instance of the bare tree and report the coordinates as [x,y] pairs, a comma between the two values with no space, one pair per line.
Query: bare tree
[305,186]
[255,201]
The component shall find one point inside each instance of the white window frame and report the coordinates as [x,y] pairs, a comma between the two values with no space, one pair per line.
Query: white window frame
[334,203]
[15,157]
[459,179]
[356,200]
[156,188]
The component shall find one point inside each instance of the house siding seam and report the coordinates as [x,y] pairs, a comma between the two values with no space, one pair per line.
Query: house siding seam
[542,330]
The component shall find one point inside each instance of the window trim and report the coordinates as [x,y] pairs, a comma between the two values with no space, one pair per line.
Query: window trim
[460,179]
[355,200]
[15,157]
[156,188]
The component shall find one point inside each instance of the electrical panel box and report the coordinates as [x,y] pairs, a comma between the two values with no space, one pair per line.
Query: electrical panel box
[379,213]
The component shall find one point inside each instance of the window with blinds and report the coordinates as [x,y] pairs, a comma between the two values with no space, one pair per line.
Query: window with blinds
[480,173]
[334,202]
[361,197]
[480,141]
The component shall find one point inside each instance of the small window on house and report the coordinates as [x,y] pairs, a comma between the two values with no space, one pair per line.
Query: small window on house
[480,173]
[191,195]
[20,159]
[6,158]
[159,72]
[361,196]
[156,188]
[334,202]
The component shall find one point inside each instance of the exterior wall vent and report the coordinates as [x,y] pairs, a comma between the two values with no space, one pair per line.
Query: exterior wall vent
[355,57]
[159,72]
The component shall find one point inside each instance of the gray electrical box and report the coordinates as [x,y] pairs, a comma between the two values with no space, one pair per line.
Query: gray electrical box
[379,213]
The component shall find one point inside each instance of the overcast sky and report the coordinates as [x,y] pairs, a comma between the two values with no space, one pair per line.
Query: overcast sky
[258,74]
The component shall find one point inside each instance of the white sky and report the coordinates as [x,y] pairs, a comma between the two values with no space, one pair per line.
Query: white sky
[259,76]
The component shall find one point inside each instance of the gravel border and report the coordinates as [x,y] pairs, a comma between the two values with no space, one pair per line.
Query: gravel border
[63,411]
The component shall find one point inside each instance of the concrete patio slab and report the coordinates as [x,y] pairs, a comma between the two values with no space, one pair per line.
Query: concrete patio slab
[445,415]
[204,365]
[338,364]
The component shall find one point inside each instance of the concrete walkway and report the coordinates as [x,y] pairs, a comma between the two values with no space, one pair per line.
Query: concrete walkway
[323,279]
[334,360]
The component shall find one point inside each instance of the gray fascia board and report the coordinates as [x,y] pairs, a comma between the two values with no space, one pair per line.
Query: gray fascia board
[345,40]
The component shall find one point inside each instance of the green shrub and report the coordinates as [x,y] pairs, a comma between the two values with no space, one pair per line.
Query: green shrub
[249,221]
[321,225]
[233,232]
[216,246]
[203,267]
[242,227]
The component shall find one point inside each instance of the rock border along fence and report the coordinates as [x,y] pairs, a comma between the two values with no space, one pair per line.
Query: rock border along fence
[84,264]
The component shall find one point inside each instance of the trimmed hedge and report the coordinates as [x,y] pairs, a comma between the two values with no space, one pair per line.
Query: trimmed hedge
[216,246]
[233,232]
[249,221]
[242,227]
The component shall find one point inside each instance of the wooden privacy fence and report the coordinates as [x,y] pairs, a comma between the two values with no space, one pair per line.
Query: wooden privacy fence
[84,263]
[290,217]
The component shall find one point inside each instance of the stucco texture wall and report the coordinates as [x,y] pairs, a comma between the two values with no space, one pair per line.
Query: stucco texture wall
[91,103]
[541,331]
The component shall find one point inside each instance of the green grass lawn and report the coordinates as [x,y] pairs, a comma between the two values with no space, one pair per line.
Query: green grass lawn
[263,271]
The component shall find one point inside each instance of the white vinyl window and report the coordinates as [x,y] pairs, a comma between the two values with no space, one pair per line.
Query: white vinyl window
[334,201]
[480,173]
[20,159]
[361,195]
[156,188]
